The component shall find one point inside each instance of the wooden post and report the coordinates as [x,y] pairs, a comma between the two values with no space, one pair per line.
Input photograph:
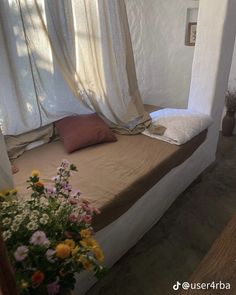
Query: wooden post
[7,279]
[6,180]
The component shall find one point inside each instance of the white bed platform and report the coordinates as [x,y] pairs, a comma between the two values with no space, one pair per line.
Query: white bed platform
[122,234]
[211,66]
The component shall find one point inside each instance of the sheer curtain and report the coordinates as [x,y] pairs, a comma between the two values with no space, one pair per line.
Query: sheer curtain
[67,56]
[91,44]
[32,89]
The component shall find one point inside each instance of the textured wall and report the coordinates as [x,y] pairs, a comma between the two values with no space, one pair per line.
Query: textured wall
[163,62]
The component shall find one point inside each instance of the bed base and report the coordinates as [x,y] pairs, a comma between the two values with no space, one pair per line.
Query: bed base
[118,237]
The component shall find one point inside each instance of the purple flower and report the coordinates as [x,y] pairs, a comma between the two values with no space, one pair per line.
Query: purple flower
[53,288]
[21,253]
[50,190]
[39,238]
[65,163]
[67,187]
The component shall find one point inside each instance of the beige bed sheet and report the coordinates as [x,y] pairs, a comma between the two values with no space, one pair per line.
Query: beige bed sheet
[113,176]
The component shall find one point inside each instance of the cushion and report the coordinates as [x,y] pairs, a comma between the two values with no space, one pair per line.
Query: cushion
[17,144]
[181,125]
[77,132]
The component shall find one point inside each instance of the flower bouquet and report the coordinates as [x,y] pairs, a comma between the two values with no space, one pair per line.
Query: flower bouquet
[49,237]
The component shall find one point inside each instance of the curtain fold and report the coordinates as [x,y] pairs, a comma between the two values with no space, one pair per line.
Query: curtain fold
[64,57]
[32,89]
[91,43]
[15,75]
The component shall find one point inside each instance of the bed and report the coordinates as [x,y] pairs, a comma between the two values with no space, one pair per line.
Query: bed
[111,176]
[135,176]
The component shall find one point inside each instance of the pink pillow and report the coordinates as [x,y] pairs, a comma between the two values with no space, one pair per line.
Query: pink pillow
[80,131]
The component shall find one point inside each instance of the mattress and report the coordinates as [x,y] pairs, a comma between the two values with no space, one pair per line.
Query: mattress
[113,176]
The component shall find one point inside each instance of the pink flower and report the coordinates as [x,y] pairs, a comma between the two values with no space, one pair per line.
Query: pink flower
[96,211]
[21,253]
[39,238]
[50,190]
[87,218]
[85,207]
[56,178]
[73,201]
[73,218]
[53,288]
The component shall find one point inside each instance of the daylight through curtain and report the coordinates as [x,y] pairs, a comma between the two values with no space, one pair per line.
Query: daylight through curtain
[67,57]
[91,43]
[32,89]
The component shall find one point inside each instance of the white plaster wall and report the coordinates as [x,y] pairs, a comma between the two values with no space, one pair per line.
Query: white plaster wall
[163,62]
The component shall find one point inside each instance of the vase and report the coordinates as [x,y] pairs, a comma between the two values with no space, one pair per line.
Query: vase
[228,123]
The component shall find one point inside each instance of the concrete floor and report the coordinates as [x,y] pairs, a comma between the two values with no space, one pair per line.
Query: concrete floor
[173,248]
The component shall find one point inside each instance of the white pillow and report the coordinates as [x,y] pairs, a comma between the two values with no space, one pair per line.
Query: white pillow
[181,124]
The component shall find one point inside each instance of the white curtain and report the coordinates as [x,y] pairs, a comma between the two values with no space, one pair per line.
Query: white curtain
[62,57]
[29,100]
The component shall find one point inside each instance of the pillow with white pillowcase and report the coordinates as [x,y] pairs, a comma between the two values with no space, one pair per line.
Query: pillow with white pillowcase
[181,124]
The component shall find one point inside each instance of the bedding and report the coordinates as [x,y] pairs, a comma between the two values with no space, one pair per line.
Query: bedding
[112,176]
[18,144]
[80,131]
[179,125]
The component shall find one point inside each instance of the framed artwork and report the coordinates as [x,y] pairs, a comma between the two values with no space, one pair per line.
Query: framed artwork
[191,34]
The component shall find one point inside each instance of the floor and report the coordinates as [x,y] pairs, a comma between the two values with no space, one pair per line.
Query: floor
[173,248]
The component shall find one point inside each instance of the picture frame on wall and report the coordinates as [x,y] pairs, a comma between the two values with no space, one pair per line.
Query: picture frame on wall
[191,34]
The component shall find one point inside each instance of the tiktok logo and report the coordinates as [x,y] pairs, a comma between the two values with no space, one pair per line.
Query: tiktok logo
[176,286]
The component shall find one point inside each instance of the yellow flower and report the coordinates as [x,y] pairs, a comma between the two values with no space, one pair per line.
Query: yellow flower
[62,251]
[13,191]
[6,193]
[35,173]
[98,254]
[85,233]
[75,251]
[24,284]
[89,243]
[70,243]
[87,265]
